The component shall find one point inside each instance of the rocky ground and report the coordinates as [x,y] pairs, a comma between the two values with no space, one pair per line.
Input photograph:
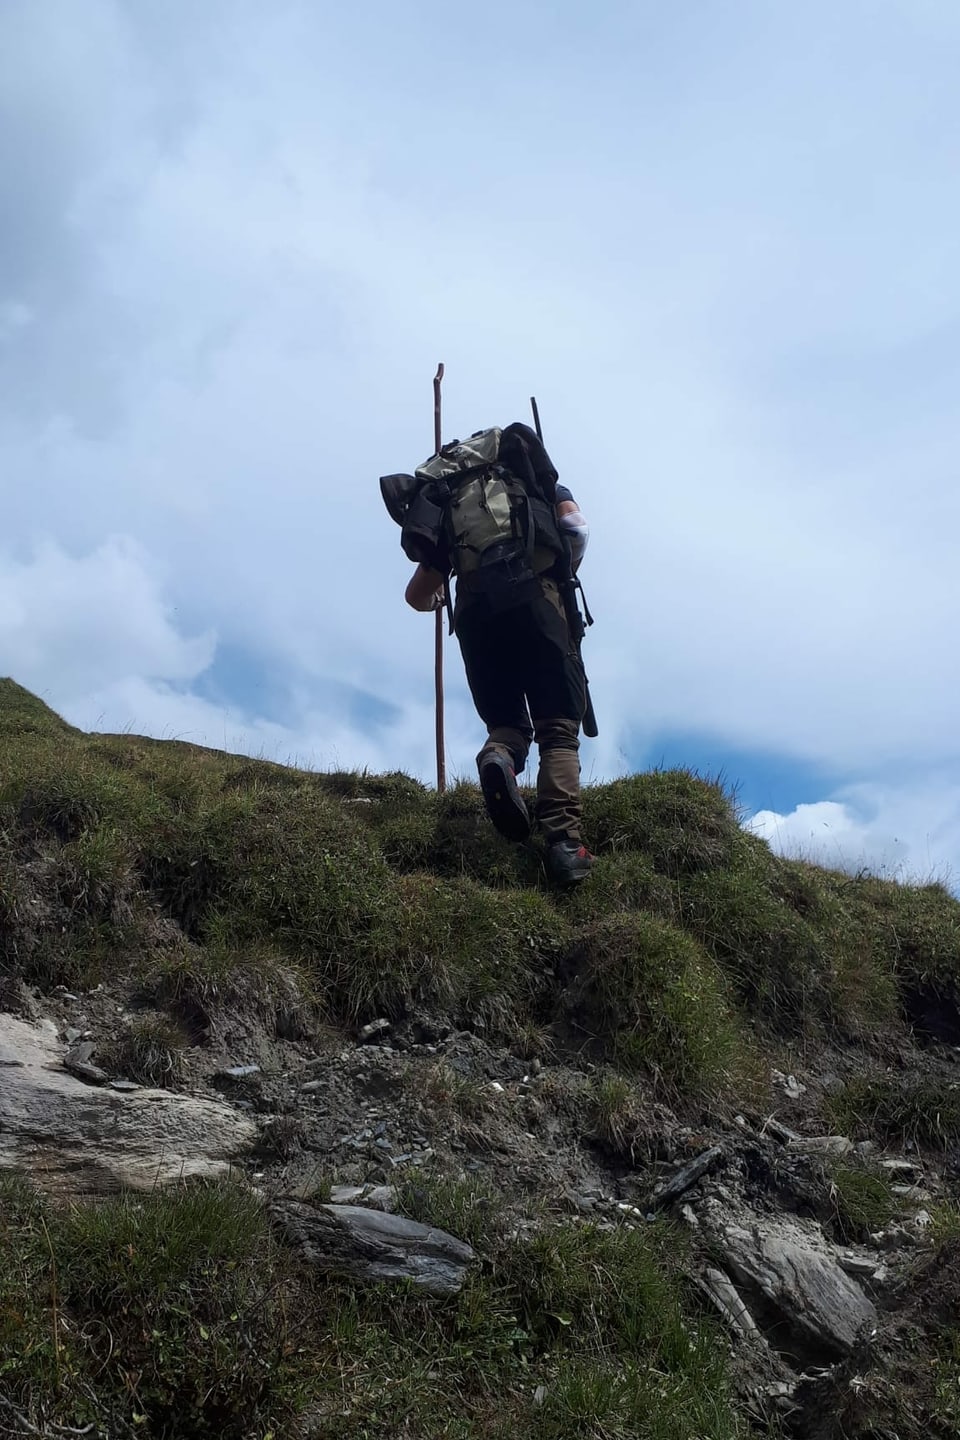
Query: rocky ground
[825,1303]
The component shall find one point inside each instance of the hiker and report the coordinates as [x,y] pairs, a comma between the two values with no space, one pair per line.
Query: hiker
[511,535]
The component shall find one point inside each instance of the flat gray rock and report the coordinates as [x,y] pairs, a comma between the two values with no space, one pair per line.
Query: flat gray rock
[373,1245]
[78,1139]
[799,1274]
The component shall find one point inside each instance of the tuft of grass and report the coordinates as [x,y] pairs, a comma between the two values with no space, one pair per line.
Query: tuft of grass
[408,839]
[456,944]
[615,1116]
[150,1052]
[772,955]
[22,713]
[945,1226]
[894,1109]
[628,1402]
[66,904]
[469,1209]
[467,1096]
[650,993]
[390,791]
[892,950]
[586,1290]
[470,1104]
[947,1382]
[289,866]
[34,1354]
[860,971]
[531,1041]
[918,928]
[204,976]
[64,794]
[157,1315]
[95,877]
[862,1201]
[282,1137]
[465,843]
[682,822]
[17,927]
[450,835]
[620,881]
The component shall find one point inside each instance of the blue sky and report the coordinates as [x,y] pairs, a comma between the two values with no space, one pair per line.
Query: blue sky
[718,241]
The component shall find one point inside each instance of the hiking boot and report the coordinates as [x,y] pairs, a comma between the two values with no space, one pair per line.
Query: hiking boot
[503,799]
[568,862]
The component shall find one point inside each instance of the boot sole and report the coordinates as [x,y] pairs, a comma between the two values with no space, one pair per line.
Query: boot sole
[504,802]
[568,881]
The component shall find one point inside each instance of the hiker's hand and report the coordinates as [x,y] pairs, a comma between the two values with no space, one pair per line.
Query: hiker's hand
[424,589]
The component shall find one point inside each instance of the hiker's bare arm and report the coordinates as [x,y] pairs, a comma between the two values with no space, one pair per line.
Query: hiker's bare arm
[425,589]
[574,526]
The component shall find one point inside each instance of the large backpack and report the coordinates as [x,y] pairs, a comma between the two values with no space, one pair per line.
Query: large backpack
[483,509]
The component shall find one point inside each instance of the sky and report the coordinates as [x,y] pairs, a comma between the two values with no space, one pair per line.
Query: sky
[719,241]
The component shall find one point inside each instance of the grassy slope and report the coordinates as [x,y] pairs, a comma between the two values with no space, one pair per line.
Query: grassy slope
[690,946]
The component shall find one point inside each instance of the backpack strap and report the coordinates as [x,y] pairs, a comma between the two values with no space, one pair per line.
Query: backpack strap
[525,509]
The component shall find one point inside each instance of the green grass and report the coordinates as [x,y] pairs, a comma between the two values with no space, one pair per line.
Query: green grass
[250,859]
[947,1382]
[450,836]
[156,1315]
[470,1209]
[946,1222]
[620,882]
[23,714]
[862,1201]
[176,1316]
[621,1402]
[455,944]
[615,1117]
[860,971]
[150,1052]
[894,1110]
[682,822]
[917,930]
[593,1321]
[384,895]
[652,998]
[770,951]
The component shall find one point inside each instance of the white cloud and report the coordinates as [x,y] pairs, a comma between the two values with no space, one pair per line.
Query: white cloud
[244,238]
[75,623]
[904,831]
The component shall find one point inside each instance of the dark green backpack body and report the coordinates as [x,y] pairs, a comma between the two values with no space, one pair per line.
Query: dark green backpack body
[483,509]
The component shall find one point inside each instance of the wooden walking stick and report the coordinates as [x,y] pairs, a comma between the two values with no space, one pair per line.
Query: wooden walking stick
[438,634]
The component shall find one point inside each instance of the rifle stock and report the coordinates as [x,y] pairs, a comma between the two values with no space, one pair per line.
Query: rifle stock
[569,585]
